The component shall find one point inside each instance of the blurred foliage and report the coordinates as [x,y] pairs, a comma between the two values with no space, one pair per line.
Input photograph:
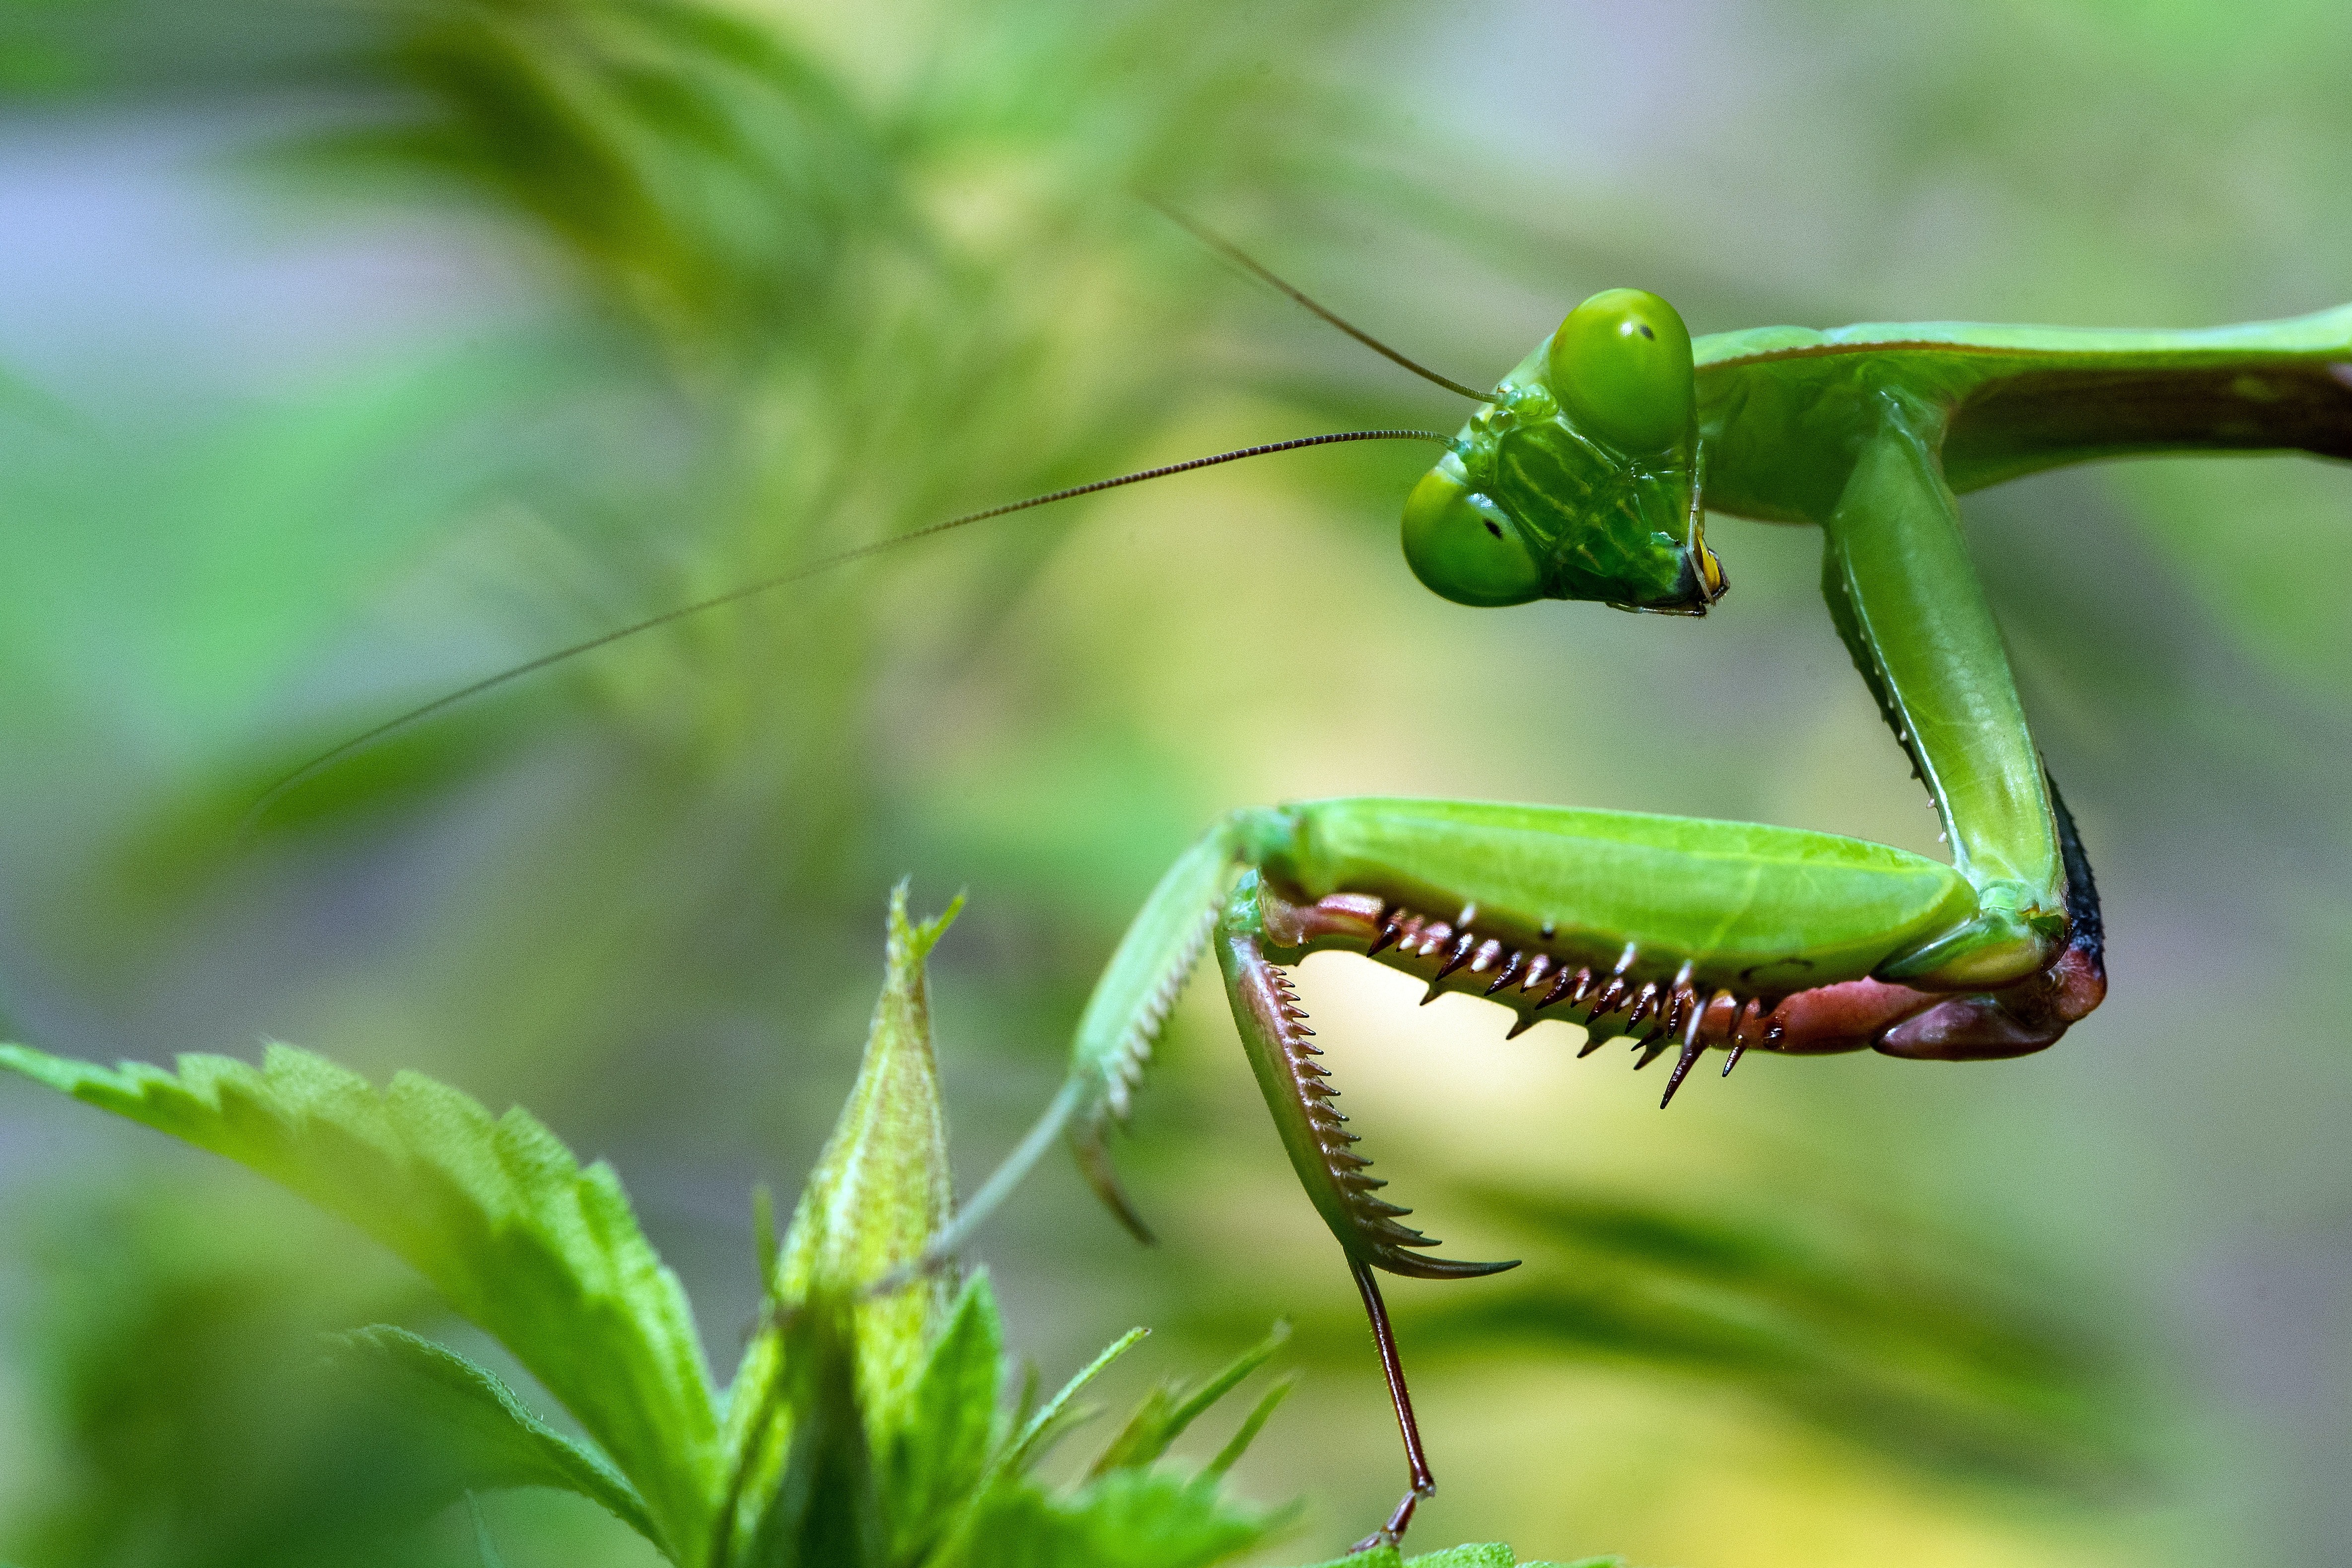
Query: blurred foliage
[738,283]
[1911,1344]
[194,1427]
[1912,1347]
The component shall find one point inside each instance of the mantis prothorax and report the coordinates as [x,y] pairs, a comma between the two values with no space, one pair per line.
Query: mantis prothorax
[1587,473]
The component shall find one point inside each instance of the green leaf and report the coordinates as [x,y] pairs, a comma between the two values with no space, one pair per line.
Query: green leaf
[879,1189]
[494,1212]
[934,1461]
[1378,1557]
[1487,1554]
[1173,1405]
[473,1423]
[1058,1414]
[1128,1516]
[1129,1519]
[1252,1424]
[826,1512]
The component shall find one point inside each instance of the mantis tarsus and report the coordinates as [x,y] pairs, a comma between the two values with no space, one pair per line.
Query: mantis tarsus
[1587,473]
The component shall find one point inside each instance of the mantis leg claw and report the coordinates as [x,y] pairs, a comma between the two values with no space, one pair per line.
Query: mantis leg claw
[1094,1163]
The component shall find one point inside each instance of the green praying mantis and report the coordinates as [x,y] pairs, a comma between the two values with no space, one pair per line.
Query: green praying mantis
[1587,473]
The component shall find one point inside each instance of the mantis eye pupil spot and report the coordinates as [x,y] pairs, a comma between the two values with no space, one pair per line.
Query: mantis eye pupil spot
[1493,528]
[1648,334]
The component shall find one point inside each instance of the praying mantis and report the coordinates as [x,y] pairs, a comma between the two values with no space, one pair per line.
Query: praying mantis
[1587,473]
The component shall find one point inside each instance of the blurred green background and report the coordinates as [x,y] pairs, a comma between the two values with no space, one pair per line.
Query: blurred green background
[349,352]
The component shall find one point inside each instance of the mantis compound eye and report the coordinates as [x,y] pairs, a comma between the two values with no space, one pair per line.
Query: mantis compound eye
[1620,366]
[1464,548]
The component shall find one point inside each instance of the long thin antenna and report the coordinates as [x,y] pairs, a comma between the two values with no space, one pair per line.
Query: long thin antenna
[1240,258]
[328,758]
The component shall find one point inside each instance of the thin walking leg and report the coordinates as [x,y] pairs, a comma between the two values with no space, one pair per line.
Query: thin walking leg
[1424,1483]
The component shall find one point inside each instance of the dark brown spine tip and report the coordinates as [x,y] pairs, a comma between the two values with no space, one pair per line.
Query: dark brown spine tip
[1560,987]
[1731,1059]
[1651,1049]
[1389,931]
[1610,997]
[1692,1051]
[1508,972]
[1462,948]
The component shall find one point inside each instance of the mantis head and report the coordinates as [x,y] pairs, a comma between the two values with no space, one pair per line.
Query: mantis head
[1581,479]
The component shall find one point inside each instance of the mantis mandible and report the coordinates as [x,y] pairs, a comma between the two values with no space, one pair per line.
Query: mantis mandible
[1587,473]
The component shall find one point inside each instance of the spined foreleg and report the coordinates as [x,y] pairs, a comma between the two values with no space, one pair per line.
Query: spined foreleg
[1668,933]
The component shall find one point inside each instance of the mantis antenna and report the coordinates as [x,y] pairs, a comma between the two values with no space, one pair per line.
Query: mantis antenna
[1215,241]
[1242,258]
[329,758]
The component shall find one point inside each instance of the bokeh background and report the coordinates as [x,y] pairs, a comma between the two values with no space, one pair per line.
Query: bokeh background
[349,352]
